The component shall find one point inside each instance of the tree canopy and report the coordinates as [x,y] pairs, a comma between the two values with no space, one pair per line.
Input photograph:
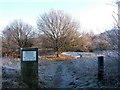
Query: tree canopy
[60,30]
[18,35]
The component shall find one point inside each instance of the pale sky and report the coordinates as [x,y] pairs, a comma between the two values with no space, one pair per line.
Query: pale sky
[95,15]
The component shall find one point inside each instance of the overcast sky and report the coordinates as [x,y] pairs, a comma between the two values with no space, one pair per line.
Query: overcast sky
[95,15]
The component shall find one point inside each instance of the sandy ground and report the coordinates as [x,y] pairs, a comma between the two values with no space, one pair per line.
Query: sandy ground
[76,73]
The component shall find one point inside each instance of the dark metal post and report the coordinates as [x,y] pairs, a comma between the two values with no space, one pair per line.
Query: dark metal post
[100,68]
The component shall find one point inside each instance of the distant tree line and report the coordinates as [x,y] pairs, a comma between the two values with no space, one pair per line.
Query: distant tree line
[55,30]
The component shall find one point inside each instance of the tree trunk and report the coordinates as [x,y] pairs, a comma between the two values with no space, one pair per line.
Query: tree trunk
[57,54]
[57,48]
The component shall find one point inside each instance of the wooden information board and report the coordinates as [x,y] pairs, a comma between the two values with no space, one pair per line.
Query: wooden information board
[29,66]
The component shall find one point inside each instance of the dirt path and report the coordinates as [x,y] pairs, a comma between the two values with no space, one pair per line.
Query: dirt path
[58,77]
[68,74]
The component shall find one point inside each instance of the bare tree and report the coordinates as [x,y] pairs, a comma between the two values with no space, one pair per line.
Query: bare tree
[118,26]
[59,28]
[84,42]
[114,36]
[18,35]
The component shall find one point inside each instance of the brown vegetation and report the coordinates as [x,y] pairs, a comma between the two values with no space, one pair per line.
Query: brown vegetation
[53,57]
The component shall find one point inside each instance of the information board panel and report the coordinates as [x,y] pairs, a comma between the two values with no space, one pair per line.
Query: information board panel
[29,66]
[29,55]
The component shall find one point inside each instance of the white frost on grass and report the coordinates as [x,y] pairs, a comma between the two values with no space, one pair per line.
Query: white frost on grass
[0,73]
[76,73]
[67,74]
[9,63]
[79,54]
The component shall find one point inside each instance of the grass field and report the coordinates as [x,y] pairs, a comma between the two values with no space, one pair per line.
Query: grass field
[64,72]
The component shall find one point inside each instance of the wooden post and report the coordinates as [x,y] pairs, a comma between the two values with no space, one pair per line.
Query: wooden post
[29,66]
[100,68]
